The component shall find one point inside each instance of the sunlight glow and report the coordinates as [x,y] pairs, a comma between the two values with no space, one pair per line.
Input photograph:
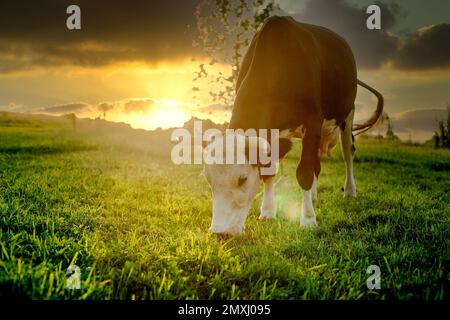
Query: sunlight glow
[166,114]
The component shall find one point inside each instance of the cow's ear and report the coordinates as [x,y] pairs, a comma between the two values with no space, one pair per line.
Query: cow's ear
[285,145]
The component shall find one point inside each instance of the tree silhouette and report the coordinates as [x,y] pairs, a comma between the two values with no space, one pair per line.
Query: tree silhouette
[225,29]
[442,135]
[103,108]
[72,118]
[390,135]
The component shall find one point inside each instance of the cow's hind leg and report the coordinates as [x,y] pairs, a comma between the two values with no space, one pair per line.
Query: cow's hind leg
[348,152]
[268,206]
[308,171]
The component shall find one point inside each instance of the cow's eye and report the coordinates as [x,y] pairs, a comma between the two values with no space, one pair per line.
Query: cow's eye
[242,180]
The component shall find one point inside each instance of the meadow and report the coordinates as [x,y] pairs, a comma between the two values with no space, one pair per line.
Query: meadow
[137,225]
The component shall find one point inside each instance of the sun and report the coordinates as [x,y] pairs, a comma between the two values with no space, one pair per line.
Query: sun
[162,113]
[166,113]
[169,113]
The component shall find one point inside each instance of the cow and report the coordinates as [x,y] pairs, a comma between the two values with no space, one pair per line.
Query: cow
[302,80]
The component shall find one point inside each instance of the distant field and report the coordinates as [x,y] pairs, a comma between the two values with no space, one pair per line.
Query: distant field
[136,225]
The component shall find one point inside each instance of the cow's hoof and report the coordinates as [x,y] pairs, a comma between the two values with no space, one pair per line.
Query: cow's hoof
[306,222]
[349,190]
[267,214]
[349,194]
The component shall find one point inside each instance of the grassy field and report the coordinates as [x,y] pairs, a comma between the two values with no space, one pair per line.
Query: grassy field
[136,225]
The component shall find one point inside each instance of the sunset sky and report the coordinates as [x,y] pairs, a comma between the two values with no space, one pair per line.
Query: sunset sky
[134,60]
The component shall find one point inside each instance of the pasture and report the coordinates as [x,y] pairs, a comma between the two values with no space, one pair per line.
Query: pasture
[136,225]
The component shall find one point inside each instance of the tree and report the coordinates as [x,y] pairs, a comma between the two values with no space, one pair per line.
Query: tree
[72,118]
[390,135]
[380,124]
[442,135]
[385,120]
[225,29]
[103,107]
[436,140]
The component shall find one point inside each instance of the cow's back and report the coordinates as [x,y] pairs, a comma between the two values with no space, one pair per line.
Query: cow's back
[293,71]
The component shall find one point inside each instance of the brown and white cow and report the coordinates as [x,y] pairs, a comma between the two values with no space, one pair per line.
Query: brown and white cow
[295,77]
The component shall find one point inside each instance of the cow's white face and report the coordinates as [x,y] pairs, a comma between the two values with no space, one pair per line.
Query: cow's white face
[234,187]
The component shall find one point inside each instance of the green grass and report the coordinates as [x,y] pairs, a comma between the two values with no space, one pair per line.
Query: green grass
[137,225]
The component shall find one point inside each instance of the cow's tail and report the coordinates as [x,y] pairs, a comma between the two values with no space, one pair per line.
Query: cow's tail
[361,128]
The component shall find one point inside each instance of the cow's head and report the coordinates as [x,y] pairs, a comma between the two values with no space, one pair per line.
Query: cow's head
[234,187]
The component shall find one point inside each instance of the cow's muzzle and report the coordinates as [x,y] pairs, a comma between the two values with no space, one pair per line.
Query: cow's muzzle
[226,231]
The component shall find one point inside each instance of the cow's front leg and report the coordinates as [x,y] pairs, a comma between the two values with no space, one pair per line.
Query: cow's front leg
[307,173]
[308,215]
[268,206]
[314,190]
[348,152]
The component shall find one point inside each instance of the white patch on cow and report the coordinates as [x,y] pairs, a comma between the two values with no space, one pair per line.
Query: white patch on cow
[350,184]
[268,206]
[307,215]
[300,131]
[286,133]
[348,154]
[289,134]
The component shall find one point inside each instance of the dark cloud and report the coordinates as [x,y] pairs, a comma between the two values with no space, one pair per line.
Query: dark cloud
[105,106]
[138,106]
[34,32]
[71,107]
[427,48]
[371,47]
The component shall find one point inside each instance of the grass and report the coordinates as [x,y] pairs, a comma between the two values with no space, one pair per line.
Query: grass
[136,225]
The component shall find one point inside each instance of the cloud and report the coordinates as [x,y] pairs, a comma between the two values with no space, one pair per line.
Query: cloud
[34,33]
[213,108]
[427,48]
[71,107]
[371,47]
[138,106]
[103,107]
[126,106]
